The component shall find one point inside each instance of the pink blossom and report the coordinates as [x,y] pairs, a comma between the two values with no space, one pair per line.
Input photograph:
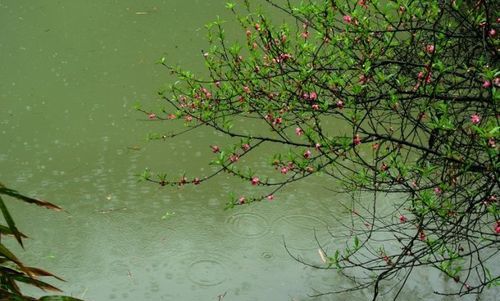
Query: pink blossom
[313,96]
[363,79]
[299,132]
[340,104]
[428,78]
[420,75]
[437,191]
[241,200]
[475,119]
[285,56]
[248,33]
[307,154]
[257,26]
[255,181]
[284,170]
[196,181]
[430,48]
[356,140]
[492,143]
[315,107]
[403,219]
[171,116]
[152,116]
[317,146]
[233,158]
[305,34]
[496,81]
[497,227]
[363,3]
[492,198]
[246,89]
[188,118]
[215,148]
[421,235]
[347,19]
[245,147]
[486,84]
[492,32]
[270,197]
[278,120]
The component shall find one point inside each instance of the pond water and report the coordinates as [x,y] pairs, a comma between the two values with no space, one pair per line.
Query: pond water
[71,72]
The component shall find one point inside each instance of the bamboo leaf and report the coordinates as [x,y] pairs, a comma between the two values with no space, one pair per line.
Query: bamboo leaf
[58,298]
[38,283]
[40,272]
[17,195]
[6,230]
[8,254]
[10,222]
[8,296]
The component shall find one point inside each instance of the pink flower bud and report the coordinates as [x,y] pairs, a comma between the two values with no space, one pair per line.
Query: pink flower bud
[421,235]
[475,119]
[356,140]
[486,84]
[307,154]
[347,19]
[340,104]
[438,191]
[299,132]
[492,143]
[215,148]
[284,170]
[255,181]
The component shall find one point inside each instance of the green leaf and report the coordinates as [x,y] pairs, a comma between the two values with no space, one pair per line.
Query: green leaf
[40,272]
[17,195]
[7,231]
[40,284]
[10,221]
[58,298]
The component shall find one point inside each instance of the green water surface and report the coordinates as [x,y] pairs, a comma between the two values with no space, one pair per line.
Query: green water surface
[70,74]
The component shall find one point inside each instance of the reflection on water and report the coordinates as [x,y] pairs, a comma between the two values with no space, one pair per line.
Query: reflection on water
[71,74]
